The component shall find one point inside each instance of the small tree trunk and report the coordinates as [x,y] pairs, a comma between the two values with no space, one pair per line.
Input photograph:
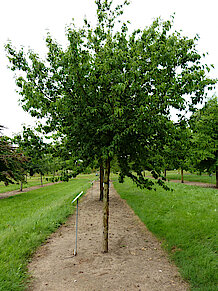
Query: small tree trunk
[106,206]
[21,186]
[216,176]
[182,177]
[165,173]
[41,179]
[101,182]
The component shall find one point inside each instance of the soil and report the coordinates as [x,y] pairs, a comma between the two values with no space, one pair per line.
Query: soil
[135,260]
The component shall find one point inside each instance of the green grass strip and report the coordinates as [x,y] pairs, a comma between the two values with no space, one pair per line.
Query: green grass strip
[26,220]
[33,181]
[185,220]
[192,177]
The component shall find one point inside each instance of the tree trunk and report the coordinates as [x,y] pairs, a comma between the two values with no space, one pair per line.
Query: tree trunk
[106,206]
[101,182]
[21,186]
[216,176]
[165,173]
[182,177]
[41,179]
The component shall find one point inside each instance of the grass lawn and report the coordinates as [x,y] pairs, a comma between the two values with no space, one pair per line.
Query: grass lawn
[26,220]
[31,181]
[185,220]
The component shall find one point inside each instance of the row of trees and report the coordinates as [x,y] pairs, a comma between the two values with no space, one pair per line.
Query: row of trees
[110,92]
[28,154]
[192,147]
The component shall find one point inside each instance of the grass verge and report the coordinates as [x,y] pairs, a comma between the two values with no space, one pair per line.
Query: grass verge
[26,220]
[185,220]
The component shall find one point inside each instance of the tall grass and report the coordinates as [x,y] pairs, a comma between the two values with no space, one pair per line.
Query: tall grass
[185,220]
[26,220]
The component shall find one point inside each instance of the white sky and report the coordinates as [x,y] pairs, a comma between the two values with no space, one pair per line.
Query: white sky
[26,22]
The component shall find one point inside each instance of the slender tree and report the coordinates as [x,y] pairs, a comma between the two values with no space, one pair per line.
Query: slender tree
[204,124]
[110,92]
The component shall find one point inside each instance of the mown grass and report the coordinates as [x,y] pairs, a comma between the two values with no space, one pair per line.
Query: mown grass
[185,220]
[26,220]
[174,175]
[31,181]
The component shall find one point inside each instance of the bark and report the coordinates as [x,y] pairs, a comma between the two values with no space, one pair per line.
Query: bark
[182,176]
[41,179]
[106,206]
[101,182]
[21,186]
[216,176]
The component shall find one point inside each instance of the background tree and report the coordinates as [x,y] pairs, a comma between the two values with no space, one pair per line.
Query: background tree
[178,150]
[110,92]
[204,124]
[12,163]
[34,148]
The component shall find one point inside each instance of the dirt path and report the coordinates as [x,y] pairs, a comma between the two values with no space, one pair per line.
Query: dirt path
[135,260]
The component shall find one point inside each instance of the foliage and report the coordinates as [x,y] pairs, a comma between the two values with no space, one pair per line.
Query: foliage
[110,93]
[34,148]
[204,124]
[178,150]
[26,220]
[12,163]
[185,221]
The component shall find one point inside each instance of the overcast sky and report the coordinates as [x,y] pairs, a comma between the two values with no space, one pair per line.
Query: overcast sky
[26,22]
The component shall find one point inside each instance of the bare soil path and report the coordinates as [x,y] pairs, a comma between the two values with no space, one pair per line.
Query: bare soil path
[135,260]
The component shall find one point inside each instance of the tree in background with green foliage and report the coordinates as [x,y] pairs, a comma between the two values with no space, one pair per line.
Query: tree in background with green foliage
[34,148]
[204,124]
[110,92]
[178,150]
[12,163]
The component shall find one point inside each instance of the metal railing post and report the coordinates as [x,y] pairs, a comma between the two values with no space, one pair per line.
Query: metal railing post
[77,211]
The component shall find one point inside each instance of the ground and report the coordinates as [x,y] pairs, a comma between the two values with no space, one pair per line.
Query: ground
[135,260]
[16,192]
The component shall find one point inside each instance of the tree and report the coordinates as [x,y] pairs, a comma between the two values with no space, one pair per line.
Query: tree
[12,163]
[110,92]
[178,150]
[34,148]
[204,124]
